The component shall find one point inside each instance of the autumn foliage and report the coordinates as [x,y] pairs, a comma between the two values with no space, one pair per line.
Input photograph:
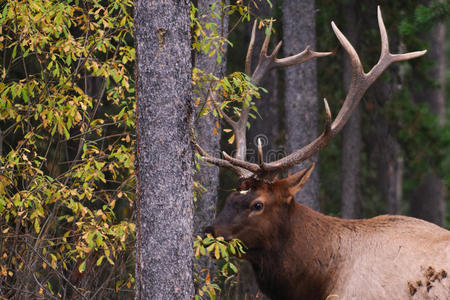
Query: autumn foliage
[66,144]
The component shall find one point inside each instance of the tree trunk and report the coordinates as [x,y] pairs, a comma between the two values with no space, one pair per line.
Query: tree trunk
[300,98]
[208,175]
[428,201]
[164,155]
[266,125]
[351,138]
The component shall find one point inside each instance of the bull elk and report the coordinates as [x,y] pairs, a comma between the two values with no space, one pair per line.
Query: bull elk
[298,253]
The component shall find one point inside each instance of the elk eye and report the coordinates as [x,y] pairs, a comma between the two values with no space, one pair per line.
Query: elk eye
[257,206]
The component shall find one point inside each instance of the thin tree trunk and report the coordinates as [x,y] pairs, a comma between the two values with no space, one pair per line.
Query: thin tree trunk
[428,201]
[300,98]
[390,171]
[208,176]
[351,138]
[164,155]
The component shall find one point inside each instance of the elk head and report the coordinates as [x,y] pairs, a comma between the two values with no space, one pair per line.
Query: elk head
[259,212]
[256,212]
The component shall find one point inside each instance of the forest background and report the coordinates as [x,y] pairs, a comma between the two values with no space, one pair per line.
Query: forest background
[67,128]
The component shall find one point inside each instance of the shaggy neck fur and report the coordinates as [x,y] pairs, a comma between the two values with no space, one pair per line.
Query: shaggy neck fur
[303,260]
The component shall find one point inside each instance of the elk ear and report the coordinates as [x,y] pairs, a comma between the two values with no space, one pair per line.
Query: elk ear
[294,183]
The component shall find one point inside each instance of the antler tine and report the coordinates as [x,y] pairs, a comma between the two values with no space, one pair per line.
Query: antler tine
[268,62]
[254,168]
[307,151]
[359,84]
[265,63]
[383,34]
[248,58]
[261,154]
[216,161]
[265,44]
[362,81]
[298,58]
[385,43]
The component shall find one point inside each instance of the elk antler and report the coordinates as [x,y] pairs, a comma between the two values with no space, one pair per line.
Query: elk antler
[360,82]
[265,63]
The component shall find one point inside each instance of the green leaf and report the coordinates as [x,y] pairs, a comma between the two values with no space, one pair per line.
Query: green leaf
[14,52]
[233,267]
[99,261]
[37,225]
[217,252]
[82,267]
[66,133]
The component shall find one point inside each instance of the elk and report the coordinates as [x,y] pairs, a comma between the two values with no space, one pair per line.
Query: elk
[298,253]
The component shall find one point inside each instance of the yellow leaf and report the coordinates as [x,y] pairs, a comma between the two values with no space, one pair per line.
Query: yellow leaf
[53,256]
[78,117]
[215,131]
[82,267]
[208,278]
[3,270]
[231,139]
[216,252]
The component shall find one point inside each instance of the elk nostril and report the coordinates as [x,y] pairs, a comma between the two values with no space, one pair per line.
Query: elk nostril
[209,229]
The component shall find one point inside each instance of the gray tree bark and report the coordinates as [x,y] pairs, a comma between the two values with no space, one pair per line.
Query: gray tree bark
[267,125]
[428,201]
[164,155]
[351,138]
[208,175]
[300,99]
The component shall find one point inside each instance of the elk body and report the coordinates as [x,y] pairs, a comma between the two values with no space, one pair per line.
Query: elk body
[297,253]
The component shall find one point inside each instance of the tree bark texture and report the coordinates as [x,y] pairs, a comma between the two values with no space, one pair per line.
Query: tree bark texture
[164,155]
[351,137]
[208,175]
[428,201]
[300,98]
[267,124]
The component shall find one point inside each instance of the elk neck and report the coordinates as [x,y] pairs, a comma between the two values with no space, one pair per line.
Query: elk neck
[308,251]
